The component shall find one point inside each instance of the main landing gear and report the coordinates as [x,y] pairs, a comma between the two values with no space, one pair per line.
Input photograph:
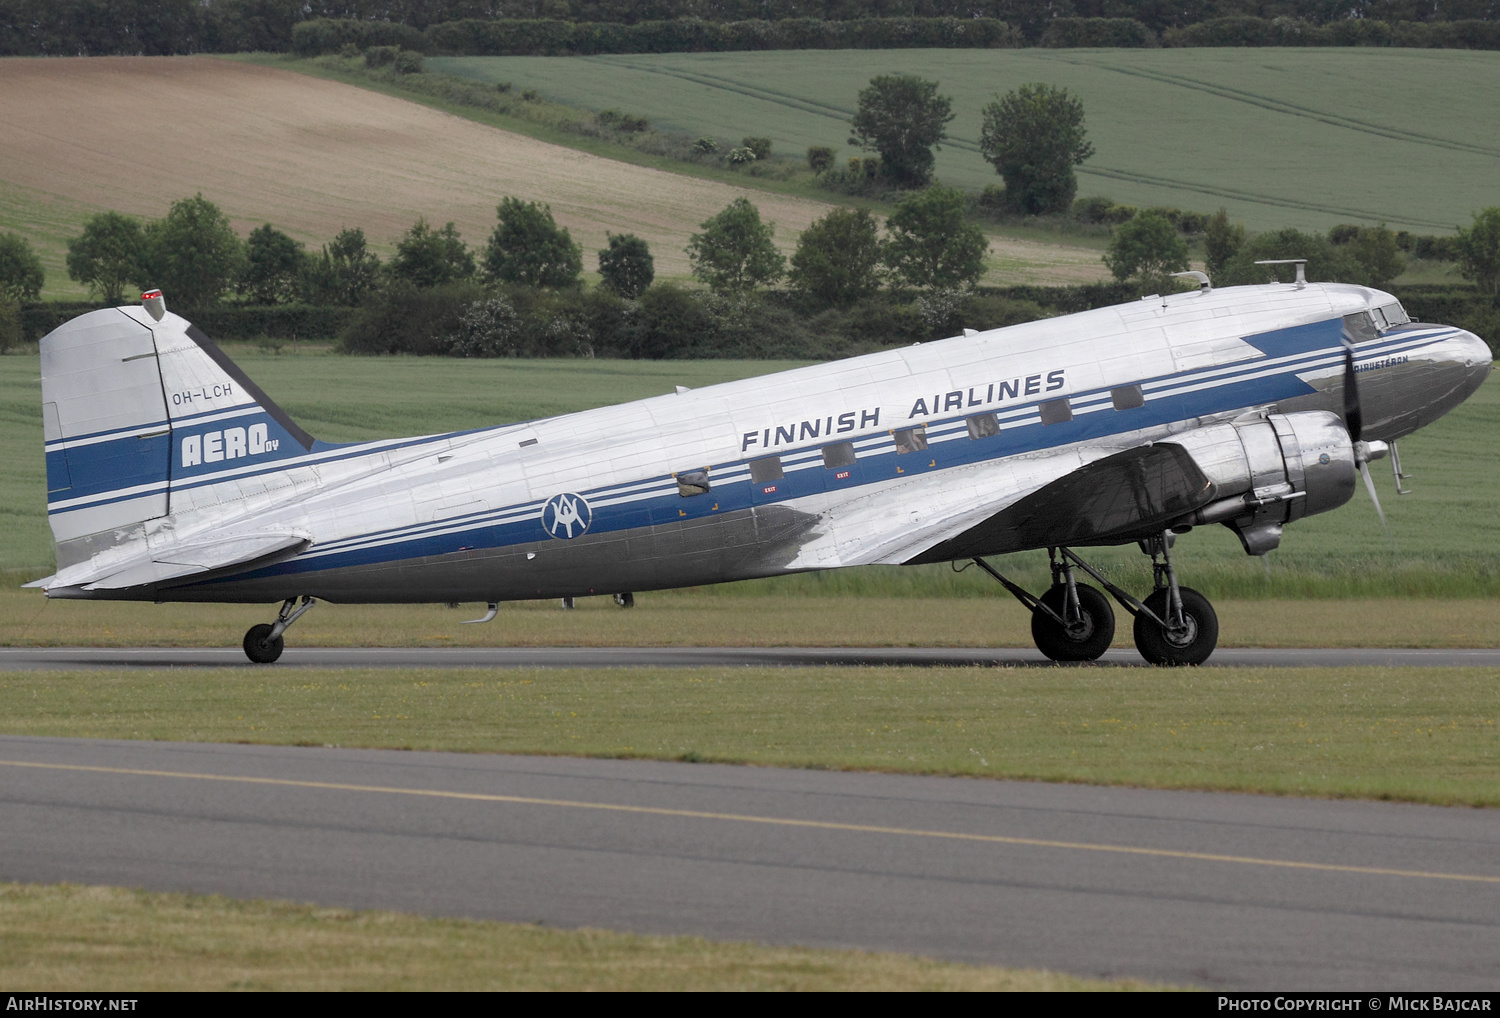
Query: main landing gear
[263,643]
[1072,621]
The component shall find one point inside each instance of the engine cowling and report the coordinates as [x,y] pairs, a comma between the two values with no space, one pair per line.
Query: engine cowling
[1270,470]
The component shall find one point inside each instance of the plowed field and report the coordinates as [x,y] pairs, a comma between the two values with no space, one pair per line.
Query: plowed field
[312,156]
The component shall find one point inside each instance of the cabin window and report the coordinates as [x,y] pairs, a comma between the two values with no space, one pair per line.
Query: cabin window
[766,469]
[910,439]
[692,482]
[1360,327]
[840,454]
[983,426]
[1056,411]
[1395,314]
[1127,397]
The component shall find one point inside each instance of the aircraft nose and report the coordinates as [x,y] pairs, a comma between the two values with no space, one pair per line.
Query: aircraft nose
[1473,355]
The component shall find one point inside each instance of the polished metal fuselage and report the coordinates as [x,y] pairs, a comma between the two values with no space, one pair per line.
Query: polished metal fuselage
[474,516]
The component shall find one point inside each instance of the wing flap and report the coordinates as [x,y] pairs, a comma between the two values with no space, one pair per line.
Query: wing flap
[1109,501]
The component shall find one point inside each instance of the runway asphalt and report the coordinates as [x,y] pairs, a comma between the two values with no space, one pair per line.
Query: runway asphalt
[1219,891]
[25,658]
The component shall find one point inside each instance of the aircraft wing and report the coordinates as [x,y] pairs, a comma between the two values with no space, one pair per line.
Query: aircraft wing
[175,560]
[1065,499]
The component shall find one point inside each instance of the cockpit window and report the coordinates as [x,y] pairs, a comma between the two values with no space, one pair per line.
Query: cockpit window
[1379,316]
[1360,327]
[1395,314]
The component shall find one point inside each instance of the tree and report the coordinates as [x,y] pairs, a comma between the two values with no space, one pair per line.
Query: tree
[734,253]
[192,255]
[345,271]
[1148,248]
[931,244]
[626,265]
[274,265]
[426,257]
[1325,263]
[1034,137]
[903,118]
[107,255]
[21,273]
[1374,247]
[1221,241]
[1479,250]
[837,261]
[529,248]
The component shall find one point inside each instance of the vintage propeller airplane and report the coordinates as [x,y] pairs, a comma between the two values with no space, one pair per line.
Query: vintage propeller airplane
[172,477]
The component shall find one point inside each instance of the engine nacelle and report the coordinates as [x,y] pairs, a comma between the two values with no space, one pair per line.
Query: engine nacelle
[1270,470]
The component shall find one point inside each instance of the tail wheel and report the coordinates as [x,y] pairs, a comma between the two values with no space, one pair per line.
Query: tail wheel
[1193,645]
[259,649]
[1091,638]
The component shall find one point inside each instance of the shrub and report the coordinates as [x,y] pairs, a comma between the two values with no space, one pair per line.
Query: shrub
[1147,248]
[408,62]
[740,156]
[381,56]
[1069,33]
[1103,211]
[671,322]
[819,158]
[403,318]
[489,327]
[760,146]
[705,146]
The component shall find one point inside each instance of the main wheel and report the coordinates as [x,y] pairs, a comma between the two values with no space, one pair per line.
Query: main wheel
[259,649]
[1095,635]
[626,600]
[1192,646]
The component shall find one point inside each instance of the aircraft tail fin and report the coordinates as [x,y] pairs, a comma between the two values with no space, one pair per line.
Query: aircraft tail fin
[137,407]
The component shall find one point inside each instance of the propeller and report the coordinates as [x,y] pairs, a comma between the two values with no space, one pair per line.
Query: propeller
[1354,420]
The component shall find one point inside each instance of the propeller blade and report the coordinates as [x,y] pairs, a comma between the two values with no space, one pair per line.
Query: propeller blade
[1354,420]
[1364,471]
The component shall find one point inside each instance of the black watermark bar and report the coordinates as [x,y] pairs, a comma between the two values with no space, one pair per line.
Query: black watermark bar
[1349,1003]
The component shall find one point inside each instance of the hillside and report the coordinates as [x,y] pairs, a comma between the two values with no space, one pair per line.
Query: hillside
[1282,137]
[313,156]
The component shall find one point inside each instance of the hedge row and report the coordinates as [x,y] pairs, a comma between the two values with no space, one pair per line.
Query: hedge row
[1243,31]
[287,321]
[541,37]
[476,37]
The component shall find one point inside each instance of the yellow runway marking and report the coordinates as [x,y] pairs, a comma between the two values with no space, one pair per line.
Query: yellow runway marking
[824,825]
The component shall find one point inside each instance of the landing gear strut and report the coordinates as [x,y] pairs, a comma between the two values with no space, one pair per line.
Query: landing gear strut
[1174,625]
[263,643]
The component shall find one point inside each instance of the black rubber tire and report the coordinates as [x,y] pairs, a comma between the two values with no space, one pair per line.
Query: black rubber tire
[626,600]
[1203,623]
[259,649]
[1054,641]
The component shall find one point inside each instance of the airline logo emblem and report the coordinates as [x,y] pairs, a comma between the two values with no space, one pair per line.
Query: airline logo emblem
[567,516]
[229,444]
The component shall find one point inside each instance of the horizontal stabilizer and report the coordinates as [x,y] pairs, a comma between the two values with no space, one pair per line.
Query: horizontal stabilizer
[181,560]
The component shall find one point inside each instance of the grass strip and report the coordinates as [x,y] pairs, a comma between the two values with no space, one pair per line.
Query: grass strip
[67,937]
[1412,734]
[798,615]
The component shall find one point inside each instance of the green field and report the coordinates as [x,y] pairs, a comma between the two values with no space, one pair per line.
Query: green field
[1417,734]
[65,937]
[1445,543]
[1281,137]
